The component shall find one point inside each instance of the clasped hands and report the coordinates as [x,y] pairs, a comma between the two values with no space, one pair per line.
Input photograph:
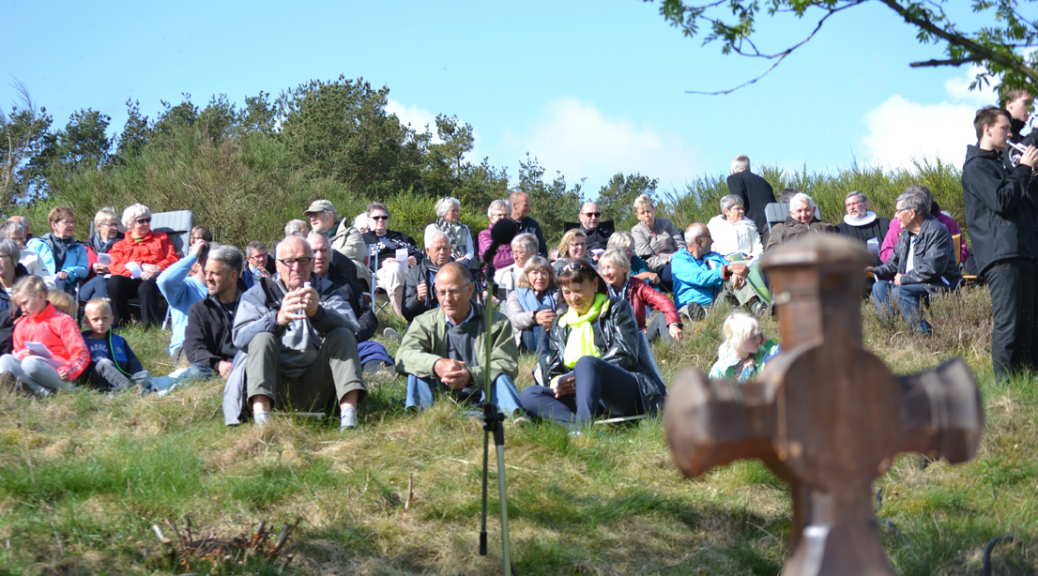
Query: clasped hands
[298,304]
[453,373]
[739,273]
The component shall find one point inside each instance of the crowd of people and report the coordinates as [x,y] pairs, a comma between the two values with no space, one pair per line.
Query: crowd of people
[293,326]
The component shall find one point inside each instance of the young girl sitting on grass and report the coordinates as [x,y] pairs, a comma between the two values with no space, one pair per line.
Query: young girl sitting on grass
[744,351]
[49,352]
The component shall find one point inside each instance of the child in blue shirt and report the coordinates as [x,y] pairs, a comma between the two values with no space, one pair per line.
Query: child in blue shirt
[113,365]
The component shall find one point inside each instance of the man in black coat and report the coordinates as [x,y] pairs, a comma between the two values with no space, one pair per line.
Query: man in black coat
[207,340]
[420,286]
[1000,214]
[326,266]
[597,231]
[524,224]
[755,192]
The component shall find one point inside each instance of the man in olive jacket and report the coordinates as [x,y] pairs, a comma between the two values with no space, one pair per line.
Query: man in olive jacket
[445,348]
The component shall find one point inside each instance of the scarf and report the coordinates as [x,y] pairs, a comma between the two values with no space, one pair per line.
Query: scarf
[622,292]
[457,233]
[529,301]
[103,246]
[581,341]
[869,218]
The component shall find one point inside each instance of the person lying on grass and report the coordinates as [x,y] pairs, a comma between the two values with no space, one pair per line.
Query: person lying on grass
[745,349]
[49,353]
[113,365]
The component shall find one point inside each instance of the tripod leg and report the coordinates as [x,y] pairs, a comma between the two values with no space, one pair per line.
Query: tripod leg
[499,443]
[483,524]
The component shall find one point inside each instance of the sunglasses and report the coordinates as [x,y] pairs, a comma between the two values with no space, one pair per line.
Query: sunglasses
[378,217]
[592,214]
[575,266]
[143,220]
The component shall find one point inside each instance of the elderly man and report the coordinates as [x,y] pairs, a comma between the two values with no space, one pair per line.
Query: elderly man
[261,263]
[25,226]
[388,245]
[801,221]
[862,224]
[446,348]
[524,224]
[420,285]
[297,333]
[755,192]
[894,232]
[702,277]
[923,263]
[208,344]
[344,238]
[182,284]
[597,232]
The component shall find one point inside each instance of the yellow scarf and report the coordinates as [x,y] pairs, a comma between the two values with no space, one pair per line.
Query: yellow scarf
[581,341]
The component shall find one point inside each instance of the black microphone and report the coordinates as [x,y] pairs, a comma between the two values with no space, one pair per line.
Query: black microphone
[501,234]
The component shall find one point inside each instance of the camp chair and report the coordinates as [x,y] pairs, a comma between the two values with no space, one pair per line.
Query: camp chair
[777,212]
[967,279]
[372,296]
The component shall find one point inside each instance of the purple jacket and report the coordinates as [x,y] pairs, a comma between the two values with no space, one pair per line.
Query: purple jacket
[504,253]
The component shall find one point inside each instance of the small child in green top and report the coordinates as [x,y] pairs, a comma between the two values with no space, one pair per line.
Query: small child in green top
[745,349]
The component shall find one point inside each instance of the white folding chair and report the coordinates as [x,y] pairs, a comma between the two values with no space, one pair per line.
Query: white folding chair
[373,295]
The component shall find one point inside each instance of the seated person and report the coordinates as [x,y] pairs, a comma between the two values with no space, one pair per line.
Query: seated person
[137,261]
[615,270]
[64,257]
[373,356]
[208,345]
[448,213]
[420,285]
[862,224]
[57,332]
[296,335]
[596,232]
[531,306]
[656,240]
[524,247]
[261,263]
[62,302]
[200,234]
[499,210]
[445,349]
[296,228]
[572,247]
[182,284]
[894,232]
[360,222]
[801,221]
[744,351]
[624,242]
[343,238]
[113,365]
[735,236]
[106,234]
[922,263]
[10,272]
[702,277]
[390,274]
[593,364]
[29,260]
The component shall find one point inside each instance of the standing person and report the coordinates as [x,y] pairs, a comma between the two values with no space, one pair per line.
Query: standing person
[137,261]
[526,225]
[1000,214]
[448,213]
[106,234]
[755,192]
[64,256]
[656,240]
[391,274]
[1018,104]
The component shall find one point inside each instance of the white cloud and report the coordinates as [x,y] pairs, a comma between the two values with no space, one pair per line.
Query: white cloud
[576,139]
[899,131]
[418,118]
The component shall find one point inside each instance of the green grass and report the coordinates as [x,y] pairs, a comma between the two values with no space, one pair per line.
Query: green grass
[96,471]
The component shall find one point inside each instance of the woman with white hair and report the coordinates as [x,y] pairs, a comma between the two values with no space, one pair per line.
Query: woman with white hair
[499,210]
[745,349]
[800,222]
[615,269]
[137,261]
[531,306]
[735,236]
[523,248]
[448,211]
[106,234]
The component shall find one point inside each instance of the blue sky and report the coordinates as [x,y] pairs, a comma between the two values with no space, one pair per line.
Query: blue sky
[589,88]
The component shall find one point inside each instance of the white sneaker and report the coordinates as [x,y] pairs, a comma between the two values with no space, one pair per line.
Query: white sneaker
[348,421]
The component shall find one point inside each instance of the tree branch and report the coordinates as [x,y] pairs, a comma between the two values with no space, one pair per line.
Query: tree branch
[951,62]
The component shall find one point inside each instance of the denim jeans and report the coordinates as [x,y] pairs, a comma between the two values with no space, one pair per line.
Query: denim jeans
[905,298]
[502,393]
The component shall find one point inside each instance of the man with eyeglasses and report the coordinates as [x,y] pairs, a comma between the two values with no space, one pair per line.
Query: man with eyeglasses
[391,274]
[597,232]
[420,285]
[344,238]
[524,224]
[298,334]
[260,263]
[445,349]
[703,277]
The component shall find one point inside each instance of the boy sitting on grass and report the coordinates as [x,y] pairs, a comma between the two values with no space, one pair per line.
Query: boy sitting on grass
[113,365]
[745,349]
[49,353]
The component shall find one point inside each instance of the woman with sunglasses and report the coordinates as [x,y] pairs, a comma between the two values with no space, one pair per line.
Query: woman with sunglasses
[592,365]
[137,260]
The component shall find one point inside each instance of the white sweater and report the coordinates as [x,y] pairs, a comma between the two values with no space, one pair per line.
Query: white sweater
[732,237]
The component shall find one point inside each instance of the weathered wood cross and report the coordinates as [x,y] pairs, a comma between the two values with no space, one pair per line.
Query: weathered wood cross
[826,416]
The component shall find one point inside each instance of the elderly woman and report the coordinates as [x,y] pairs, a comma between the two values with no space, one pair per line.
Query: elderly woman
[615,270]
[106,234]
[624,242]
[655,239]
[386,245]
[137,260]
[572,247]
[499,209]
[30,261]
[64,257]
[593,356]
[448,211]
[10,272]
[531,306]
[524,247]
[800,222]
[735,236]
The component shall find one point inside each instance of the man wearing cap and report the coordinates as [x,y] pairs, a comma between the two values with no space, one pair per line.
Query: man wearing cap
[344,238]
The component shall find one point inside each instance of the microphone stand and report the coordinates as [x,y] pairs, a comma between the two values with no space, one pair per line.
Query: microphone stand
[493,423]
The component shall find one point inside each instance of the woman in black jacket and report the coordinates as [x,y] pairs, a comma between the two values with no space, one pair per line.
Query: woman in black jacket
[593,356]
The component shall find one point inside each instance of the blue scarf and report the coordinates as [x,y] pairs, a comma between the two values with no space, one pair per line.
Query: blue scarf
[530,303]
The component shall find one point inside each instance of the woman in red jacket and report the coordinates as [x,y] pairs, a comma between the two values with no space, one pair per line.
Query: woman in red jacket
[137,260]
[615,268]
[49,352]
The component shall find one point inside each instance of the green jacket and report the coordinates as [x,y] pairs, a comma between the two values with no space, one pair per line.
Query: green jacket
[426,342]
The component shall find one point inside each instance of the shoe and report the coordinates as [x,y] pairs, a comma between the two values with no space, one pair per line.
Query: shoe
[759,309]
[348,420]
[521,421]
[262,419]
[391,335]
[8,383]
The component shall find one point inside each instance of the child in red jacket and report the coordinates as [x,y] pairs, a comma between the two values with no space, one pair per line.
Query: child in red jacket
[49,352]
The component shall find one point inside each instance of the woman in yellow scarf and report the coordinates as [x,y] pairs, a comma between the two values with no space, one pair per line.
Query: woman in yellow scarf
[592,364]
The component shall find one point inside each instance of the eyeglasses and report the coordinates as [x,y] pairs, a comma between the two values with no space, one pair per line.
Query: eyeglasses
[592,214]
[143,220]
[107,225]
[378,217]
[257,257]
[900,210]
[291,262]
[452,292]
[66,222]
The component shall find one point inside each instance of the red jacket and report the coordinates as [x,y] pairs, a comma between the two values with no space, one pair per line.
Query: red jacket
[155,248]
[641,295]
[59,333]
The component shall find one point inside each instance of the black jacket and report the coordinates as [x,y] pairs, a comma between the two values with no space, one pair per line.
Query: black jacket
[1000,208]
[341,264]
[414,307]
[616,337]
[597,238]
[9,313]
[756,194]
[934,262]
[367,322]
[207,339]
[530,226]
[400,239]
[876,229]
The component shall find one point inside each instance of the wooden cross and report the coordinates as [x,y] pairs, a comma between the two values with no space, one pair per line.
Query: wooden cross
[826,416]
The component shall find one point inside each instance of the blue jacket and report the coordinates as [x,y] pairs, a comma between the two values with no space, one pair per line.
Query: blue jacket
[694,279]
[120,353]
[76,264]
[181,292]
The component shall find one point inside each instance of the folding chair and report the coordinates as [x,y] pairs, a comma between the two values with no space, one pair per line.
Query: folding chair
[372,297]
[967,279]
